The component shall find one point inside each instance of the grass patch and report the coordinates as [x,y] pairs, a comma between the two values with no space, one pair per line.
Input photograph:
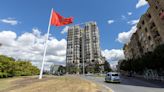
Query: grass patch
[51,84]
[4,83]
[7,83]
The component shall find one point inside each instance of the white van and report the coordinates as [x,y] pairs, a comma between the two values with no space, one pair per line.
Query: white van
[112,77]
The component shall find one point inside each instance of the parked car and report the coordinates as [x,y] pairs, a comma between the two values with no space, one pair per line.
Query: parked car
[112,77]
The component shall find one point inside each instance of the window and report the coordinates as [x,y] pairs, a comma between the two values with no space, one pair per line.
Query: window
[156,7]
[152,25]
[140,27]
[114,74]
[149,37]
[145,29]
[157,33]
[149,15]
[143,22]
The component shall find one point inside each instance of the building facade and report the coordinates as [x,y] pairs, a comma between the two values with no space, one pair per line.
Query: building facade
[149,33]
[127,51]
[83,45]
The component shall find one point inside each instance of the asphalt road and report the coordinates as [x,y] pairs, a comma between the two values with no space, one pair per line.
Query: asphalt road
[129,84]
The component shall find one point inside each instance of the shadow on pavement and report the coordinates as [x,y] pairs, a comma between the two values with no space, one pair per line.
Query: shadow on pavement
[133,81]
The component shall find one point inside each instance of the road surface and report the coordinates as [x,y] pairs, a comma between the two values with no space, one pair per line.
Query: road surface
[129,84]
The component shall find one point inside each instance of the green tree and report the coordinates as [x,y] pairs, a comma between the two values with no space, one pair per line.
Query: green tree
[62,69]
[150,60]
[10,68]
[97,68]
[107,67]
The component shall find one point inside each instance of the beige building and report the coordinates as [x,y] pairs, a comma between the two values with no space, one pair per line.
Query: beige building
[156,19]
[150,31]
[83,45]
[127,51]
[135,45]
[73,55]
[133,48]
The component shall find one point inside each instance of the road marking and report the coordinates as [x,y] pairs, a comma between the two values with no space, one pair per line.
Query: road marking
[108,88]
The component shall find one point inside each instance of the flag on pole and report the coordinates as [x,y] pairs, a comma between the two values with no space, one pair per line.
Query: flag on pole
[58,20]
[55,20]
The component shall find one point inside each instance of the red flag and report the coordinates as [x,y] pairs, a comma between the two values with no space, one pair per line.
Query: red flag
[58,20]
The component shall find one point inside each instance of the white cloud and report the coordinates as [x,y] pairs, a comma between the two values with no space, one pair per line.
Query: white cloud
[29,46]
[110,21]
[36,32]
[130,13]
[10,21]
[65,30]
[133,22]
[141,3]
[124,37]
[123,17]
[7,38]
[113,56]
[26,38]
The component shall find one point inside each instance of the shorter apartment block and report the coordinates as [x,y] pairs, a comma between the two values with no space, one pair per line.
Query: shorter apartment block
[149,33]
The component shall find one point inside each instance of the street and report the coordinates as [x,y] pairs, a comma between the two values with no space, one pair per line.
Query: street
[129,84]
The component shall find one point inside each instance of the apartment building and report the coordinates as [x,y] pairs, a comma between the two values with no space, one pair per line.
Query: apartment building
[83,45]
[149,33]
[127,51]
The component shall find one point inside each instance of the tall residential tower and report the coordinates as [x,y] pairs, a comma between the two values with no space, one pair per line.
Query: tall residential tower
[83,45]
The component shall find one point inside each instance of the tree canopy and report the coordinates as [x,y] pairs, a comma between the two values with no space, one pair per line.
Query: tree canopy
[9,67]
[151,60]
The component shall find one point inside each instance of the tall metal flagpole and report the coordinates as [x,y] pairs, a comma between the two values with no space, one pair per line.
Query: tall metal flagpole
[45,46]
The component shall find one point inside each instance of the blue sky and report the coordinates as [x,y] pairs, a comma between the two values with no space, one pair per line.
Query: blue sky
[112,16]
